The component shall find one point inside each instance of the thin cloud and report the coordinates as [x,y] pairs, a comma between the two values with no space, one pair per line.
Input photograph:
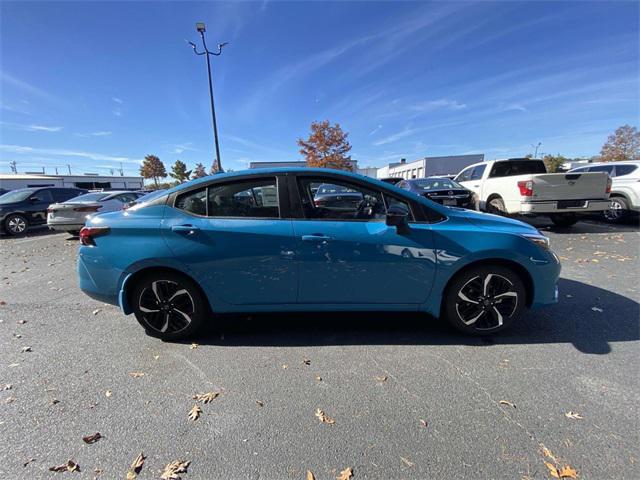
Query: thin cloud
[117,100]
[101,133]
[375,130]
[42,128]
[442,103]
[25,150]
[30,89]
[396,136]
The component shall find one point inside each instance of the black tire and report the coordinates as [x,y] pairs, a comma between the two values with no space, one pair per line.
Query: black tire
[496,206]
[479,307]
[15,224]
[618,211]
[564,220]
[74,233]
[178,315]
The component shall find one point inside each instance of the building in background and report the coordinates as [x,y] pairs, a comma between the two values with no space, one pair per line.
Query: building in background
[429,166]
[13,181]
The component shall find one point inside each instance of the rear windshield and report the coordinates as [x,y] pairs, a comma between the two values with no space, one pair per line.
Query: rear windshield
[511,168]
[90,197]
[435,184]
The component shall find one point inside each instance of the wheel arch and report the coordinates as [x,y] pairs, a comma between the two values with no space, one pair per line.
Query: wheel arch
[131,279]
[521,271]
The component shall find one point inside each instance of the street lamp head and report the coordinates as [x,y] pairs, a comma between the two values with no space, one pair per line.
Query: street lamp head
[220,45]
[200,27]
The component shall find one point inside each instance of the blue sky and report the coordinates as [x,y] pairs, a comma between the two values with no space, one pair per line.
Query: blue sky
[93,84]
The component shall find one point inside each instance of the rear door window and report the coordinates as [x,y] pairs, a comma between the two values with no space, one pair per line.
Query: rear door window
[251,199]
[603,168]
[625,169]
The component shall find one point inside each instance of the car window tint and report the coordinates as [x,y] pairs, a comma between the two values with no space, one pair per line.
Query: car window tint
[337,200]
[625,169]
[477,172]
[391,201]
[602,168]
[252,199]
[194,202]
[511,168]
[44,196]
[464,175]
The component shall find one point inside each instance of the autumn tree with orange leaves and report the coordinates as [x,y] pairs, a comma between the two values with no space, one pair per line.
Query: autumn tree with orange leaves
[326,147]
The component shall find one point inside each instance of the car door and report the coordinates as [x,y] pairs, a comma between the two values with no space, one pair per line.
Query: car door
[37,205]
[349,255]
[231,237]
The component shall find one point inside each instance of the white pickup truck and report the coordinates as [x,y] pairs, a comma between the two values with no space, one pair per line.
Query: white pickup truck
[523,186]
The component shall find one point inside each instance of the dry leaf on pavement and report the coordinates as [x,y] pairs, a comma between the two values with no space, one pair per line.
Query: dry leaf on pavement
[345,474]
[193,346]
[97,311]
[136,374]
[306,361]
[568,472]
[381,379]
[92,438]
[424,423]
[70,466]
[136,466]
[260,403]
[108,393]
[173,469]
[310,475]
[318,378]
[195,412]
[205,397]
[407,462]
[26,349]
[324,418]
[573,415]
[507,402]
[7,386]
[29,460]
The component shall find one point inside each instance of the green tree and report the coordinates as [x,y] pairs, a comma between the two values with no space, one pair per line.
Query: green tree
[326,147]
[554,162]
[153,168]
[179,171]
[199,171]
[624,144]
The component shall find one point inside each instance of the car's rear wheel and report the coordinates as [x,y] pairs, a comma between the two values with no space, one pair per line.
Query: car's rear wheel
[496,206]
[15,224]
[168,305]
[618,210]
[484,300]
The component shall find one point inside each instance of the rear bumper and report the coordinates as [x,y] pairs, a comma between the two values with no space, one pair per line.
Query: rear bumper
[65,226]
[97,283]
[583,206]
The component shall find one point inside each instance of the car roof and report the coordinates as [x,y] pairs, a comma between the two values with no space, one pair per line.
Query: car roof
[622,162]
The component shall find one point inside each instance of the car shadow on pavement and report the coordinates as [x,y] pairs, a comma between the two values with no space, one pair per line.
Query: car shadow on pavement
[584,226]
[573,320]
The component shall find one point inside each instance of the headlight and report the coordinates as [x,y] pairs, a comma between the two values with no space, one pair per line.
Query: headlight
[538,239]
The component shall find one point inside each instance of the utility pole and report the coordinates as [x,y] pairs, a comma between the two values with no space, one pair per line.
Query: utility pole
[535,155]
[200,27]
[121,170]
[69,167]
[56,170]
[14,166]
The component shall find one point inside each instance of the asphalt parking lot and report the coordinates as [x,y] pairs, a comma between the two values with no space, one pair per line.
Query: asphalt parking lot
[411,399]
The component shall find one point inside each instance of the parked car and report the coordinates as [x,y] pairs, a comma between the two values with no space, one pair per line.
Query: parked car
[71,215]
[523,186]
[625,188]
[25,207]
[336,197]
[200,248]
[441,190]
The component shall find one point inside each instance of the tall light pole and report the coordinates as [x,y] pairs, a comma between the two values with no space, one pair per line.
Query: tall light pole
[535,155]
[200,27]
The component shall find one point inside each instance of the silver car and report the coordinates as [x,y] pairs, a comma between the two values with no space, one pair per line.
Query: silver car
[70,216]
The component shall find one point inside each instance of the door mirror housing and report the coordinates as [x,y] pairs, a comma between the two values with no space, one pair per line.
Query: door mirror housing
[398,216]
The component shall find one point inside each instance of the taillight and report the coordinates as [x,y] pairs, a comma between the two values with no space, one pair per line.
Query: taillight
[526,188]
[87,234]
[94,208]
[608,185]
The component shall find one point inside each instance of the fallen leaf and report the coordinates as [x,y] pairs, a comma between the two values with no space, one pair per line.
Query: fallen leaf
[260,403]
[318,378]
[306,361]
[17,335]
[21,322]
[553,470]
[345,474]
[407,462]
[108,393]
[324,418]
[70,466]
[173,469]
[55,401]
[2,302]
[424,423]
[596,309]
[573,415]
[381,379]
[7,386]
[155,357]
[26,349]
[284,366]
[568,472]
[97,311]
[506,402]
[547,453]
[195,412]
[206,397]
[193,346]
[10,400]
[136,374]
[310,475]
[92,438]
[29,460]
[136,466]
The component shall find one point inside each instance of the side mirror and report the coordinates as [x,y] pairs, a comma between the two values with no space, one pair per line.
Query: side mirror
[398,216]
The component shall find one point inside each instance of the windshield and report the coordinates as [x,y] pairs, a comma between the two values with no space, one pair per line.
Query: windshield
[16,196]
[326,188]
[89,197]
[436,184]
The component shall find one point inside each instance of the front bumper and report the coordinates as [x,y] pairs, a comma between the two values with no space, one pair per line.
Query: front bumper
[555,206]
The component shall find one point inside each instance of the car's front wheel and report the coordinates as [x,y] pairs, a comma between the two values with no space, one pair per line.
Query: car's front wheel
[484,300]
[15,224]
[168,305]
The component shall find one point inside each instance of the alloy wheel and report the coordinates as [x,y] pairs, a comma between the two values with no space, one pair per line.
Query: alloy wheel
[16,225]
[485,302]
[615,211]
[166,307]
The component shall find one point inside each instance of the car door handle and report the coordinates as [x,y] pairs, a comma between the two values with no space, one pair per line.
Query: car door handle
[187,229]
[316,237]
[476,186]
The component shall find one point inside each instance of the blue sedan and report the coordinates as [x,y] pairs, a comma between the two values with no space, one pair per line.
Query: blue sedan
[257,241]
